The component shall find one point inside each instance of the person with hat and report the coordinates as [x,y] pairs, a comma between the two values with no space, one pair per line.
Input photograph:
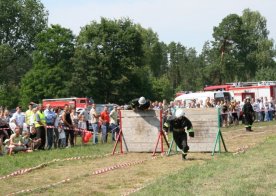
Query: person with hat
[248,113]
[179,123]
[140,104]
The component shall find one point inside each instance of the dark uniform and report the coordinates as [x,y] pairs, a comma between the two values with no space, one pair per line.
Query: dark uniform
[137,106]
[180,135]
[248,113]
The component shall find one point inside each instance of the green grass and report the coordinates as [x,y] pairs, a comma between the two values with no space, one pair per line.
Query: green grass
[251,173]
[255,124]
[26,160]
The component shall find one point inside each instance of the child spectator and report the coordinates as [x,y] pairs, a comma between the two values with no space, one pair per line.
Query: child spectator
[35,140]
[62,138]
[82,125]
[27,141]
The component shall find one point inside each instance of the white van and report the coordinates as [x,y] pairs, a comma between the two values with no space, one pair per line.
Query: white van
[216,95]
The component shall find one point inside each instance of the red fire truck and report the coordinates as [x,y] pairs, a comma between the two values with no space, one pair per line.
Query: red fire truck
[241,90]
[76,102]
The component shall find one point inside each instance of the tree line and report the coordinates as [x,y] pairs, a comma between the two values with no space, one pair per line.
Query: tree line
[115,60]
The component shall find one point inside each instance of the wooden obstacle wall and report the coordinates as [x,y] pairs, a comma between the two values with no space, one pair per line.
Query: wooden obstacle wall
[140,130]
[205,125]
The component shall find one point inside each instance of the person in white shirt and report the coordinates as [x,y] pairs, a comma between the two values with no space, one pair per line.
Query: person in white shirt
[94,120]
[114,122]
[18,118]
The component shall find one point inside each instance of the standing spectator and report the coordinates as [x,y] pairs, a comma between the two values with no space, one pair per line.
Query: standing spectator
[239,109]
[172,108]
[3,132]
[256,109]
[104,118]
[224,113]
[82,126]
[114,122]
[75,119]
[18,119]
[234,112]
[57,126]
[32,118]
[266,108]
[4,123]
[155,105]
[50,117]
[262,109]
[248,113]
[94,116]
[62,138]
[40,125]
[271,109]
[86,116]
[68,126]
[208,103]
[28,115]
[165,105]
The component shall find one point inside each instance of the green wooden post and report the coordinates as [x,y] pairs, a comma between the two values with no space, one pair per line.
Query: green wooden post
[170,148]
[223,143]
[218,134]
[219,137]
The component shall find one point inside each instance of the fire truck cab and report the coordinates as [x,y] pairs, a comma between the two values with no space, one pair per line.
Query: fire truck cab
[75,102]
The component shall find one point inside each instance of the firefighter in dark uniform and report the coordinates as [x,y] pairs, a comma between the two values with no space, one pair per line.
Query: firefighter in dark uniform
[248,114]
[140,104]
[179,123]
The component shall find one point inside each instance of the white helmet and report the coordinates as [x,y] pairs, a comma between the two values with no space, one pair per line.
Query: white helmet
[142,100]
[179,113]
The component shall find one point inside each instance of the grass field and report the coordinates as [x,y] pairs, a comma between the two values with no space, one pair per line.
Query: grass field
[248,169]
[251,173]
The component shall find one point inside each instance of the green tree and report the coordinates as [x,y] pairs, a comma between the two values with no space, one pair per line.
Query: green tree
[228,38]
[266,74]
[257,50]
[108,61]
[20,22]
[50,76]
[241,46]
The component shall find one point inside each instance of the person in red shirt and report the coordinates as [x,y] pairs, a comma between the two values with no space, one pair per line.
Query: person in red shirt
[104,118]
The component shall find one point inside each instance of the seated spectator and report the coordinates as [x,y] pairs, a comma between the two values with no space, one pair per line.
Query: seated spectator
[16,142]
[27,140]
[35,140]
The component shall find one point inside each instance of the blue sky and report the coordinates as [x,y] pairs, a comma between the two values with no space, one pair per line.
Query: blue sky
[189,22]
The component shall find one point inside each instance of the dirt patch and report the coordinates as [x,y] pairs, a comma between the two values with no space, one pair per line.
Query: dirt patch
[125,178]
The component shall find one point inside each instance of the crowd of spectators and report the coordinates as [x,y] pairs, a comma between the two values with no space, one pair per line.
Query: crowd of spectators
[41,128]
[230,111]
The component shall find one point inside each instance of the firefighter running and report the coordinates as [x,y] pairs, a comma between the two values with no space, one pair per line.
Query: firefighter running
[179,123]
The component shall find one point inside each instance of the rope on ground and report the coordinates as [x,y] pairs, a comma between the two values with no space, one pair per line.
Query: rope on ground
[42,165]
[97,172]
